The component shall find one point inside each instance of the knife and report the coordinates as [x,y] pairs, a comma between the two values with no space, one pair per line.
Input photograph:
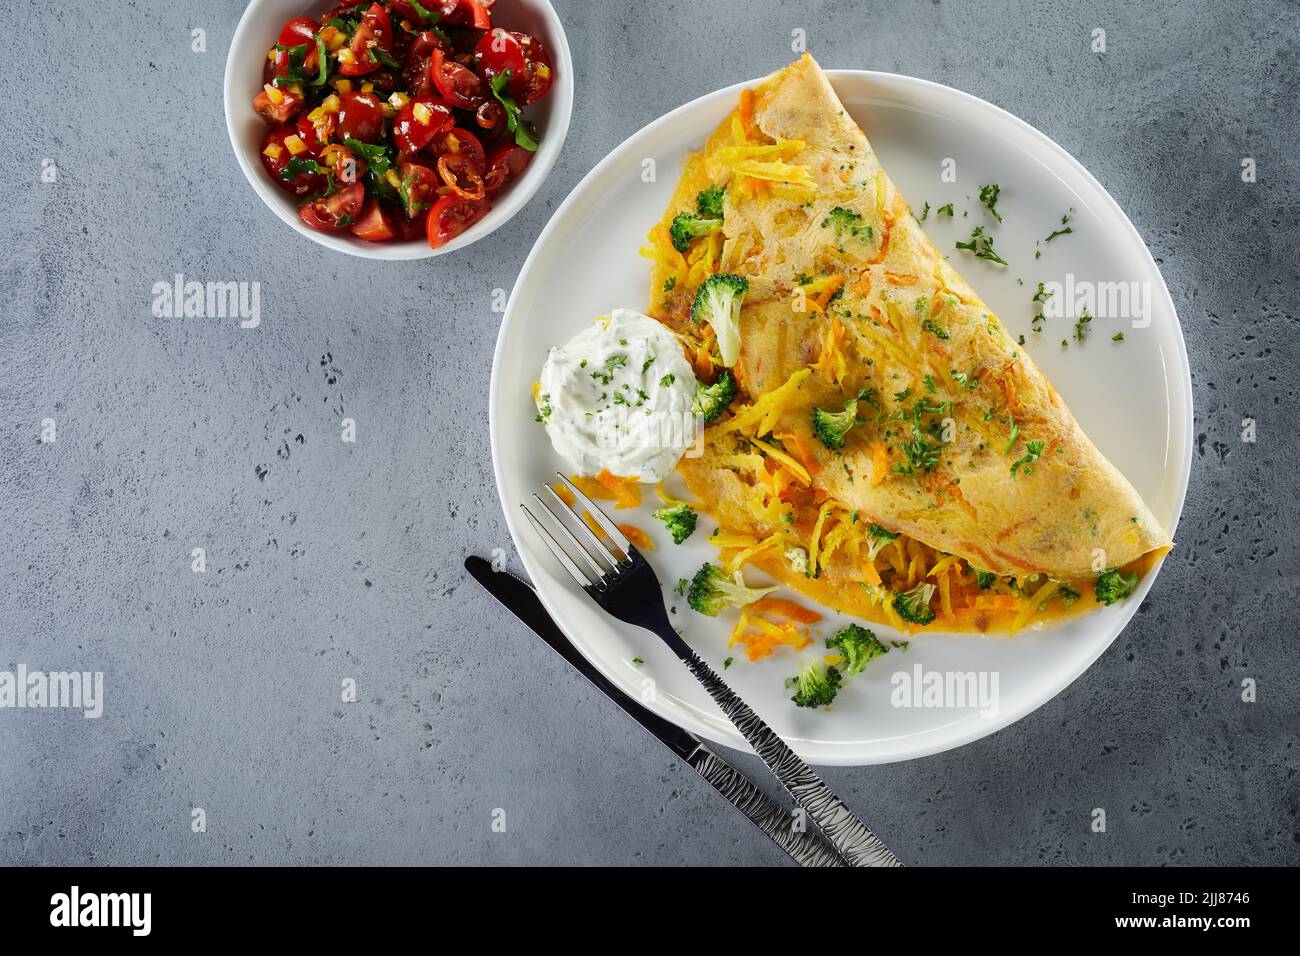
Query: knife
[804,846]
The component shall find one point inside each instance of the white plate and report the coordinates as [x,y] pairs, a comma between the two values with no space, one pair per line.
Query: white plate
[1133,398]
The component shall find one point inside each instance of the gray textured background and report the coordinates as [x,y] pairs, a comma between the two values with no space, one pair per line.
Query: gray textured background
[345,560]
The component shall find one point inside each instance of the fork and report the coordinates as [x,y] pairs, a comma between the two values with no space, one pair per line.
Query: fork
[625,586]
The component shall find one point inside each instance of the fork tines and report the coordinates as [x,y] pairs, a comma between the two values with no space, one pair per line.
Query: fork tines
[595,547]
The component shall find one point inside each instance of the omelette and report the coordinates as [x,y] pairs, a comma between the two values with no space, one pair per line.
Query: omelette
[890,451]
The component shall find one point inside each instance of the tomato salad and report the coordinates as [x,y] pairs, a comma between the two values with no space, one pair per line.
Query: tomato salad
[395,119]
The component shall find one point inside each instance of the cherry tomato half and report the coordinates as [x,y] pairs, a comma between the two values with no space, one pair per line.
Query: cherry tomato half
[416,70]
[456,82]
[467,13]
[360,116]
[317,133]
[299,31]
[301,184]
[498,52]
[419,121]
[419,187]
[335,212]
[279,106]
[451,215]
[376,223]
[504,163]
[374,32]
[538,73]
[459,142]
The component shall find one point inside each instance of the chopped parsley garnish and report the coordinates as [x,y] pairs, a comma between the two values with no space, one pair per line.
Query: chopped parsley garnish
[981,244]
[964,380]
[668,380]
[1061,232]
[514,123]
[944,211]
[989,197]
[1117,337]
[1042,295]
[925,212]
[670,283]
[1083,326]
[1033,451]
[1015,434]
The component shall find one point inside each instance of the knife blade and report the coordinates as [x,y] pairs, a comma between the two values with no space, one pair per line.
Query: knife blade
[778,823]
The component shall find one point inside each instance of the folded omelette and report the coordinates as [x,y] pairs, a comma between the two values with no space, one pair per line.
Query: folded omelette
[892,452]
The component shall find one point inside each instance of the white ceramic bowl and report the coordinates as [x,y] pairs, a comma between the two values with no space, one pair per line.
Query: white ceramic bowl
[257,32]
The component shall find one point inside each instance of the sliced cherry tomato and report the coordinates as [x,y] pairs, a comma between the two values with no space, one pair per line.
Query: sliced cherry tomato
[300,184]
[279,106]
[456,82]
[467,13]
[459,142]
[419,121]
[419,187]
[360,116]
[298,32]
[376,223]
[416,70]
[343,164]
[505,163]
[335,212]
[451,215]
[498,52]
[317,133]
[459,173]
[374,33]
[538,73]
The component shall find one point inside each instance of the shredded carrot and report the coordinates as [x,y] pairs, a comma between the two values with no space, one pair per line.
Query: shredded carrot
[786,608]
[879,463]
[637,536]
[799,470]
[624,491]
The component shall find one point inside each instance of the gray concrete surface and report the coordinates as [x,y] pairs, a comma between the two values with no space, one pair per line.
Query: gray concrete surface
[329,561]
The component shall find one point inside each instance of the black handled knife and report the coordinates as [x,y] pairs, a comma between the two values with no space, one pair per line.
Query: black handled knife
[781,825]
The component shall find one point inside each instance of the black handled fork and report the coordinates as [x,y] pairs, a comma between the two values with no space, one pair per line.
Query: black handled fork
[625,586]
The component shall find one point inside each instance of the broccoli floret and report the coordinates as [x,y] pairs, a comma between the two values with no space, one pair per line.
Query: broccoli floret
[879,538]
[687,226]
[712,400]
[833,427]
[914,605]
[847,224]
[1066,594]
[717,302]
[679,520]
[1113,586]
[712,591]
[814,687]
[709,203]
[798,559]
[984,579]
[858,646]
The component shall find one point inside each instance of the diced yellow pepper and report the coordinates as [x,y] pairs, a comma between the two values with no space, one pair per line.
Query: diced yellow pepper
[398,100]
[330,104]
[273,150]
[295,144]
[422,113]
[273,94]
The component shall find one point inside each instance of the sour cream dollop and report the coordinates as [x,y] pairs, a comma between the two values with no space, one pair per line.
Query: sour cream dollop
[618,397]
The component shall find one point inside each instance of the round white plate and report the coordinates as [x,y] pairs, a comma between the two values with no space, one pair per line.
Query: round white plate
[1133,398]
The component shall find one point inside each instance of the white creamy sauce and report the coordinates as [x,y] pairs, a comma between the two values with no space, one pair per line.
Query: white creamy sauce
[618,397]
